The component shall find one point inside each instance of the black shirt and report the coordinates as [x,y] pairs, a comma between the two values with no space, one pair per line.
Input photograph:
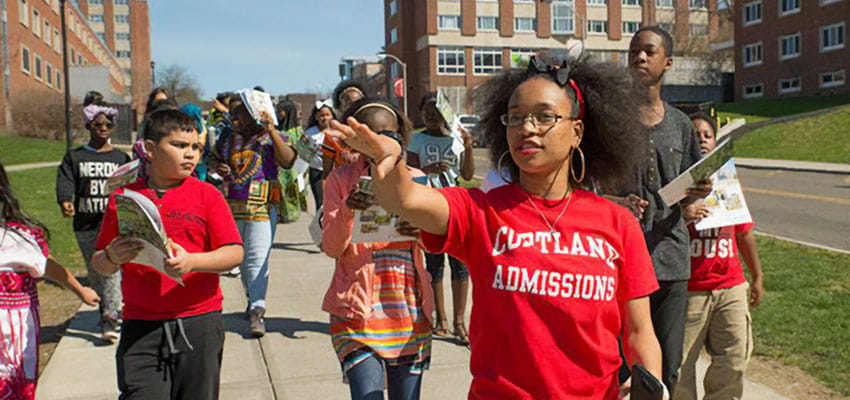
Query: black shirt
[673,148]
[82,179]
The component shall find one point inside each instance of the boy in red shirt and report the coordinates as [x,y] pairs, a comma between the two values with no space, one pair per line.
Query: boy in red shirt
[718,318]
[172,335]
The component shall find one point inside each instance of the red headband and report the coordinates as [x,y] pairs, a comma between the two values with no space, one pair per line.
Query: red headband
[579,99]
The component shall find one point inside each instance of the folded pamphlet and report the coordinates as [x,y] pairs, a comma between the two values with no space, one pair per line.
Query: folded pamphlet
[139,218]
[725,203]
[258,102]
[675,191]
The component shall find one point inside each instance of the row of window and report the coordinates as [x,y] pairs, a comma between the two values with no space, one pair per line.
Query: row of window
[793,84]
[485,61]
[116,2]
[119,18]
[831,38]
[694,4]
[40,26]
[452,22]
[32,64]
[753,10]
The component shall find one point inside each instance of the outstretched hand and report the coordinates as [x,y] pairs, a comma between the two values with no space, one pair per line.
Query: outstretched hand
[382,150]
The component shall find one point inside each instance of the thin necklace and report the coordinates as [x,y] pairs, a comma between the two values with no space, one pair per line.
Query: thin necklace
[564,209]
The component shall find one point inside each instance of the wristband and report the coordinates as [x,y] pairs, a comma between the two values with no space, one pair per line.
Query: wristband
[108,257]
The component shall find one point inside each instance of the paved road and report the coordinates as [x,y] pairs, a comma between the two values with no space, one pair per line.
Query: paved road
[812,207]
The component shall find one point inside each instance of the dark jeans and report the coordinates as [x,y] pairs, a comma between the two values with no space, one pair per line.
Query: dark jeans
[669,306]
[436,263]
[316,186]
[366,381]
[177,359]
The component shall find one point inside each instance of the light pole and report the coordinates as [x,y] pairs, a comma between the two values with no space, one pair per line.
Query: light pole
[67,75]
[403,75]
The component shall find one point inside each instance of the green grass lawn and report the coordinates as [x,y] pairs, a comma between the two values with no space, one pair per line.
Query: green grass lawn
[824,138]
[804,319]
[763,109]
[21,150]
[36,190]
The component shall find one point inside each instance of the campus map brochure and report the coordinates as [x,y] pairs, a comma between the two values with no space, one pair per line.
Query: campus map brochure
[375,224]
[257,102]
[674,191]
[138,217]
[21,253]
[123,175]
[726,202]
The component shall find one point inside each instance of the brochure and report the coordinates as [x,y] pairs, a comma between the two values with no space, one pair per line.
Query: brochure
[123,175]
[448,113]
[375,224]
[21,253]
[674,191]
[258,102]
[726,202]
[139,218]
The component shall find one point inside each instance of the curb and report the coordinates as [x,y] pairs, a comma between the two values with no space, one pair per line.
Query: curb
[24,167]
[802,166]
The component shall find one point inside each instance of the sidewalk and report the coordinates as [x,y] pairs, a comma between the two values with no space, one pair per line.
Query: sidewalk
[807,166]
[293,361]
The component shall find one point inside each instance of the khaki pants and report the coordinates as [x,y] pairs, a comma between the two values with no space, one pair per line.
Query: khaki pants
[719,321]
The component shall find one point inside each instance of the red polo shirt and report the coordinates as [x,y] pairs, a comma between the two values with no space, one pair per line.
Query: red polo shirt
[195,216]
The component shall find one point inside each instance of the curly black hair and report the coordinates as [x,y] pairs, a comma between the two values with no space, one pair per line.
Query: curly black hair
[705,117]
[614,137]
[404,126]
[346,85]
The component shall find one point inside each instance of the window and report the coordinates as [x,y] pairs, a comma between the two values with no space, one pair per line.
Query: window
[57,41]
[486,61]
[751,91]
[393,8]
[630,26]
[95,2]
[25,60]
[597,26]
[699,29]
[832,37]
[631,3]
[23,13]
[58,79]
[96,18]
[36,22]
[597,2]
[121,2]
[37,65]
[790,85]
[525,24]
[48,34]
[48,74]
[752,13]
[122,36]
[451,61]
[663,3]
[126,53]
[789,6]
[54,4]
[122,19]
[830,79]
[488,23]
[393,35]
[697,4]
[789,46]
[521,57]
[752,54]
[448,22]
[563,17]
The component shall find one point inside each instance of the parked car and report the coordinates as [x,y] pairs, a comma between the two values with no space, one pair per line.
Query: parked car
[472,124]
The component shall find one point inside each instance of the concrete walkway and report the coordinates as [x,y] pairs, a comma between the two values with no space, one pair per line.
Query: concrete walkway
[293,361]
[24,167]
[808,166]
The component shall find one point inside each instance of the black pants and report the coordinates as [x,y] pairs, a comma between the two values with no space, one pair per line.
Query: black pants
[177,359]
[669,306]
[316,186]
[435,263]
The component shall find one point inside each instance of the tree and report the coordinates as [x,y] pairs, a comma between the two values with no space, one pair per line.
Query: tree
[179,83]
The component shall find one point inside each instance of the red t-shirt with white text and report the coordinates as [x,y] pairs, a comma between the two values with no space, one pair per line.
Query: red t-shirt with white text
[547,308]
[714,257]
[195,216]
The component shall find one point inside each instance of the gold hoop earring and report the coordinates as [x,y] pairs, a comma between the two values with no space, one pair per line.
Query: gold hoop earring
[583,169]
[499,167]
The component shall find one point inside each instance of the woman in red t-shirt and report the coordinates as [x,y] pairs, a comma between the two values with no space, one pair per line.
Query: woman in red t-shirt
[718,313]
[559,273]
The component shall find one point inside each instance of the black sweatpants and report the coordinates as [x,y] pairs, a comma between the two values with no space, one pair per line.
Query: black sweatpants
[175,359]
[669,307]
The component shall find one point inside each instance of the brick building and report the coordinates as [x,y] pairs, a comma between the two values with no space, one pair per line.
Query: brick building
[456,45]
[791,47]
[32,57]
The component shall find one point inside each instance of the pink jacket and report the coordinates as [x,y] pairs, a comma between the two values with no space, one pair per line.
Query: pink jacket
[350,291]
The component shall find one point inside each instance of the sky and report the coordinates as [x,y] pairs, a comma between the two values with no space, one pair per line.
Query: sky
[287,46]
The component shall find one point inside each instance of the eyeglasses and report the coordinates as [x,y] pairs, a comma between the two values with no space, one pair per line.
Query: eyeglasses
[539,119]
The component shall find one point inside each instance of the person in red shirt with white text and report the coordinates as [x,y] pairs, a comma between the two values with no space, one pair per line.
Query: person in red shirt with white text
[559,273]
[718,317]
[172,336]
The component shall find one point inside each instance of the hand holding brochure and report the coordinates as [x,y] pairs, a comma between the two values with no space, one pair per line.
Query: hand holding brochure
[674,191]
[726,202]
[258,102]
[139,218]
